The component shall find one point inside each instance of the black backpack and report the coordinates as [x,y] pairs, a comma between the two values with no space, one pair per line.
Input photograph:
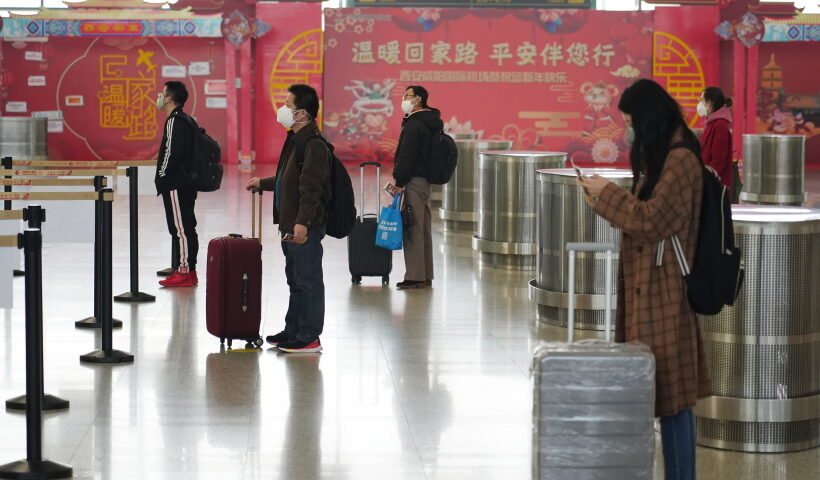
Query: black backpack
[715,277]
[204,171]
[443,158]
[341,209]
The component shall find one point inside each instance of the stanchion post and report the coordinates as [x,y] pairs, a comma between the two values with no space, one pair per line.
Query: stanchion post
[7,188]
[94,322]
[35,215]
[134,295]
[106,354]
[7,165]
[34,466]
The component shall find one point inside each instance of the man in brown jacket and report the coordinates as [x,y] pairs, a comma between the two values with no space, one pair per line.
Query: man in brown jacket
[301,193]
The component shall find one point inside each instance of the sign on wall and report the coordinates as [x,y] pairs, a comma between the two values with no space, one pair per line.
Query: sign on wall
[544,79]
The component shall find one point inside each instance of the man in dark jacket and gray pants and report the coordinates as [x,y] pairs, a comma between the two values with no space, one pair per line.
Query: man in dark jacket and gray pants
[171,180]
[301,193]
[410,171]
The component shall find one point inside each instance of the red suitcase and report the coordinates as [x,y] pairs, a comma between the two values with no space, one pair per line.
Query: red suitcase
[233,293]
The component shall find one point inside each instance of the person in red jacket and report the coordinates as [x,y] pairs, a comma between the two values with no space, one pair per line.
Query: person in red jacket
[716,139]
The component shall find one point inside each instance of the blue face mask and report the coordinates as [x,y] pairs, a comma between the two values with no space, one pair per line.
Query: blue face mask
[629,136]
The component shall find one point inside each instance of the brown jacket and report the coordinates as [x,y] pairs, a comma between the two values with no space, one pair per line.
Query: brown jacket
[655,309]
[304,187]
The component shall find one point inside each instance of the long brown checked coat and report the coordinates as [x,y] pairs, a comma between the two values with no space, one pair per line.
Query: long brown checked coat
[655,309]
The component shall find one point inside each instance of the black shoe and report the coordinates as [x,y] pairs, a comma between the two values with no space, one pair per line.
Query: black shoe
[298,346]
[408,284]
[275,340]
[166,272]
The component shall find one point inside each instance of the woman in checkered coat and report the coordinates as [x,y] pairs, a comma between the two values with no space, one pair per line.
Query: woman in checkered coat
[665,199]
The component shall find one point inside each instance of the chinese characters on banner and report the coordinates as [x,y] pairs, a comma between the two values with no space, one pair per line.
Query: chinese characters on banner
[125,101]
[547,80]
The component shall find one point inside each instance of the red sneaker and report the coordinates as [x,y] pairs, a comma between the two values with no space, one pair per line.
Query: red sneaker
[180,280]
[299,346]
[170,279]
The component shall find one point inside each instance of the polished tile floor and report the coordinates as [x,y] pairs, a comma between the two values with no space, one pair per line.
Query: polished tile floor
[425,384]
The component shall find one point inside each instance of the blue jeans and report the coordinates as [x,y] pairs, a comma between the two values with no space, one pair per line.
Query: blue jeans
[303,268]
[678,437]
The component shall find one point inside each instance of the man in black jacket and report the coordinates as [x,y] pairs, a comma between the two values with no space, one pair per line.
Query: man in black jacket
[171,180]
[301,193]
[409,172]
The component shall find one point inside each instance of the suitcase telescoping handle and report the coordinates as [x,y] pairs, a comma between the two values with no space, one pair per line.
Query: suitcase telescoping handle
[609,248]
[361,187]
[256,213]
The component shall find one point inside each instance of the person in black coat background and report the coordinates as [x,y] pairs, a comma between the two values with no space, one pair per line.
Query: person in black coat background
[409,172]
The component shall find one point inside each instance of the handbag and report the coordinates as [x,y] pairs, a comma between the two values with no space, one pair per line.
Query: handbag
[390,231]
[406,215]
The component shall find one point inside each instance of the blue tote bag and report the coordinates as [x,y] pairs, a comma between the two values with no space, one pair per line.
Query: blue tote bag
[390,232]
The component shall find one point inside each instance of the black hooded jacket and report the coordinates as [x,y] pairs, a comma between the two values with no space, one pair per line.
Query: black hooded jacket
[175,153]
[415,143]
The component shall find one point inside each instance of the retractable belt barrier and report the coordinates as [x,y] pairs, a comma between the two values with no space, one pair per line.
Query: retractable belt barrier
[35,215]
[34,466]
[102,169]
[102,267]
[49,182]
[78,163]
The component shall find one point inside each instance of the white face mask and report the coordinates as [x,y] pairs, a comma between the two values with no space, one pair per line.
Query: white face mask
[407,106]
[629,136]
[285,116]
[160,101]
[702,110]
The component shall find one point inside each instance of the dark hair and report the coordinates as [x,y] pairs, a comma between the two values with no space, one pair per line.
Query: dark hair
[305,98]
[715,96]
[421,92]
[656,118]
[177,92]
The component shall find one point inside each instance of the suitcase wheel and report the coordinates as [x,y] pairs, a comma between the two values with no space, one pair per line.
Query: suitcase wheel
[258,342]
[386,280]
[221,341]
[230,343]
[356,279]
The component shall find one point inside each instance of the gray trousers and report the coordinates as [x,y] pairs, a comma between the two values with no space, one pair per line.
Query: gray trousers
[418,239]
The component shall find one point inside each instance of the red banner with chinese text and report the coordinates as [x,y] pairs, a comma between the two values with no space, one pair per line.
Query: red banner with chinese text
[544,79]
[100,93]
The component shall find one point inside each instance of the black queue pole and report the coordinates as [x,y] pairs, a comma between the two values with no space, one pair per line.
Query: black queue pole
[34,467]
[106,354]
[94,322]
[35,215]
[134,295]
[7,164]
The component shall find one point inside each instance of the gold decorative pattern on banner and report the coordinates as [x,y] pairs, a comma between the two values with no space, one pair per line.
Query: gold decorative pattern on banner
[676,67]
[296,63]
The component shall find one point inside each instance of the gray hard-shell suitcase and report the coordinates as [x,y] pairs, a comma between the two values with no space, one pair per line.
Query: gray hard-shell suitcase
[364,258]
[594,400]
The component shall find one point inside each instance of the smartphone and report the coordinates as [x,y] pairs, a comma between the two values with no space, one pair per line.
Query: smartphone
[390,189]
[578,172]
[288,238]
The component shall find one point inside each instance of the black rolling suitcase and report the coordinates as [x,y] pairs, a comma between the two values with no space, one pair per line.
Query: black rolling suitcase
[364,258]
